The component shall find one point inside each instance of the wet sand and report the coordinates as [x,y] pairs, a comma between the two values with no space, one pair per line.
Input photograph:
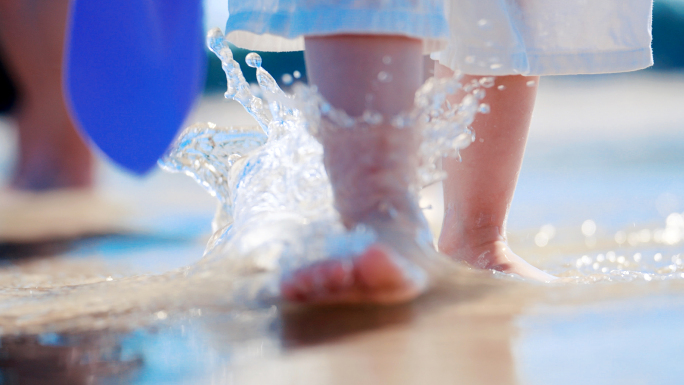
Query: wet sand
[605,149]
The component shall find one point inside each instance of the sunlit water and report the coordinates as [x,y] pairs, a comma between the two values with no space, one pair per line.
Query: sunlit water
[276,205]
[276,213]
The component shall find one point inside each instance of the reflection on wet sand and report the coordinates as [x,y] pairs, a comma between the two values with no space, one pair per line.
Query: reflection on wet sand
[457,334]
[66,359]
[460,332]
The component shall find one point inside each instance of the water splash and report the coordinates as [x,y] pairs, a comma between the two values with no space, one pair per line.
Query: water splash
[277,211]
[279,193]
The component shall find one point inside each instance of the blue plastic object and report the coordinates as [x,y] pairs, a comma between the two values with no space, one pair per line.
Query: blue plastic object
[133,70]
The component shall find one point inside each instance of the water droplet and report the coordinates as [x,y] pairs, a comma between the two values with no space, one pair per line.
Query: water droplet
[387,59]
[384,77]
[483,108]
[297,74]
[479,93]
[161,315]
[531,83]
[470,59]
[637,257]
[495,66]
[253,60]
[372,117]
[287,79]
[487,82]
[501,87]
[658,257]
[255,89]
[483,23]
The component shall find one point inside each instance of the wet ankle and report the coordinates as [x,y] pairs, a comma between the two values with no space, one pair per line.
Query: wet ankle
[468,244]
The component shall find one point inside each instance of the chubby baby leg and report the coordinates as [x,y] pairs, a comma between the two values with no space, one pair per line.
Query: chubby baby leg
[372,169]
[479,189]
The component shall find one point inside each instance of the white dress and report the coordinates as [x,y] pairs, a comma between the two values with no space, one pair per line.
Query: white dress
[478,37]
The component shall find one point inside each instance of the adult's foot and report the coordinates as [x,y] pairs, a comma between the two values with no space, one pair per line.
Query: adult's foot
[52,154]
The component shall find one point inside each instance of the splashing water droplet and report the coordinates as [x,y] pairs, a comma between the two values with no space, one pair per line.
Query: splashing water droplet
[483,108]
[384,77]
[325,108]
[297,74]
[483,23]
[495,66]
[287,79]
[531,83]
[253,60]
[479,93]
[372,117]
[387,59]
[501,87]
[487,82]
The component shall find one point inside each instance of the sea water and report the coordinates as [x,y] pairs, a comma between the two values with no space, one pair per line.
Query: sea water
[276,213]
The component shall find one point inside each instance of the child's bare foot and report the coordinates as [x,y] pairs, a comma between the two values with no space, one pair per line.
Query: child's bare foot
[486,248]
[479,189]
[376,276]
[372,186]
[372,169]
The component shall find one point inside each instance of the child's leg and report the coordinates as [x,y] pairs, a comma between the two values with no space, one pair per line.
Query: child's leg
[479,189]
[370,168]
[51,152]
